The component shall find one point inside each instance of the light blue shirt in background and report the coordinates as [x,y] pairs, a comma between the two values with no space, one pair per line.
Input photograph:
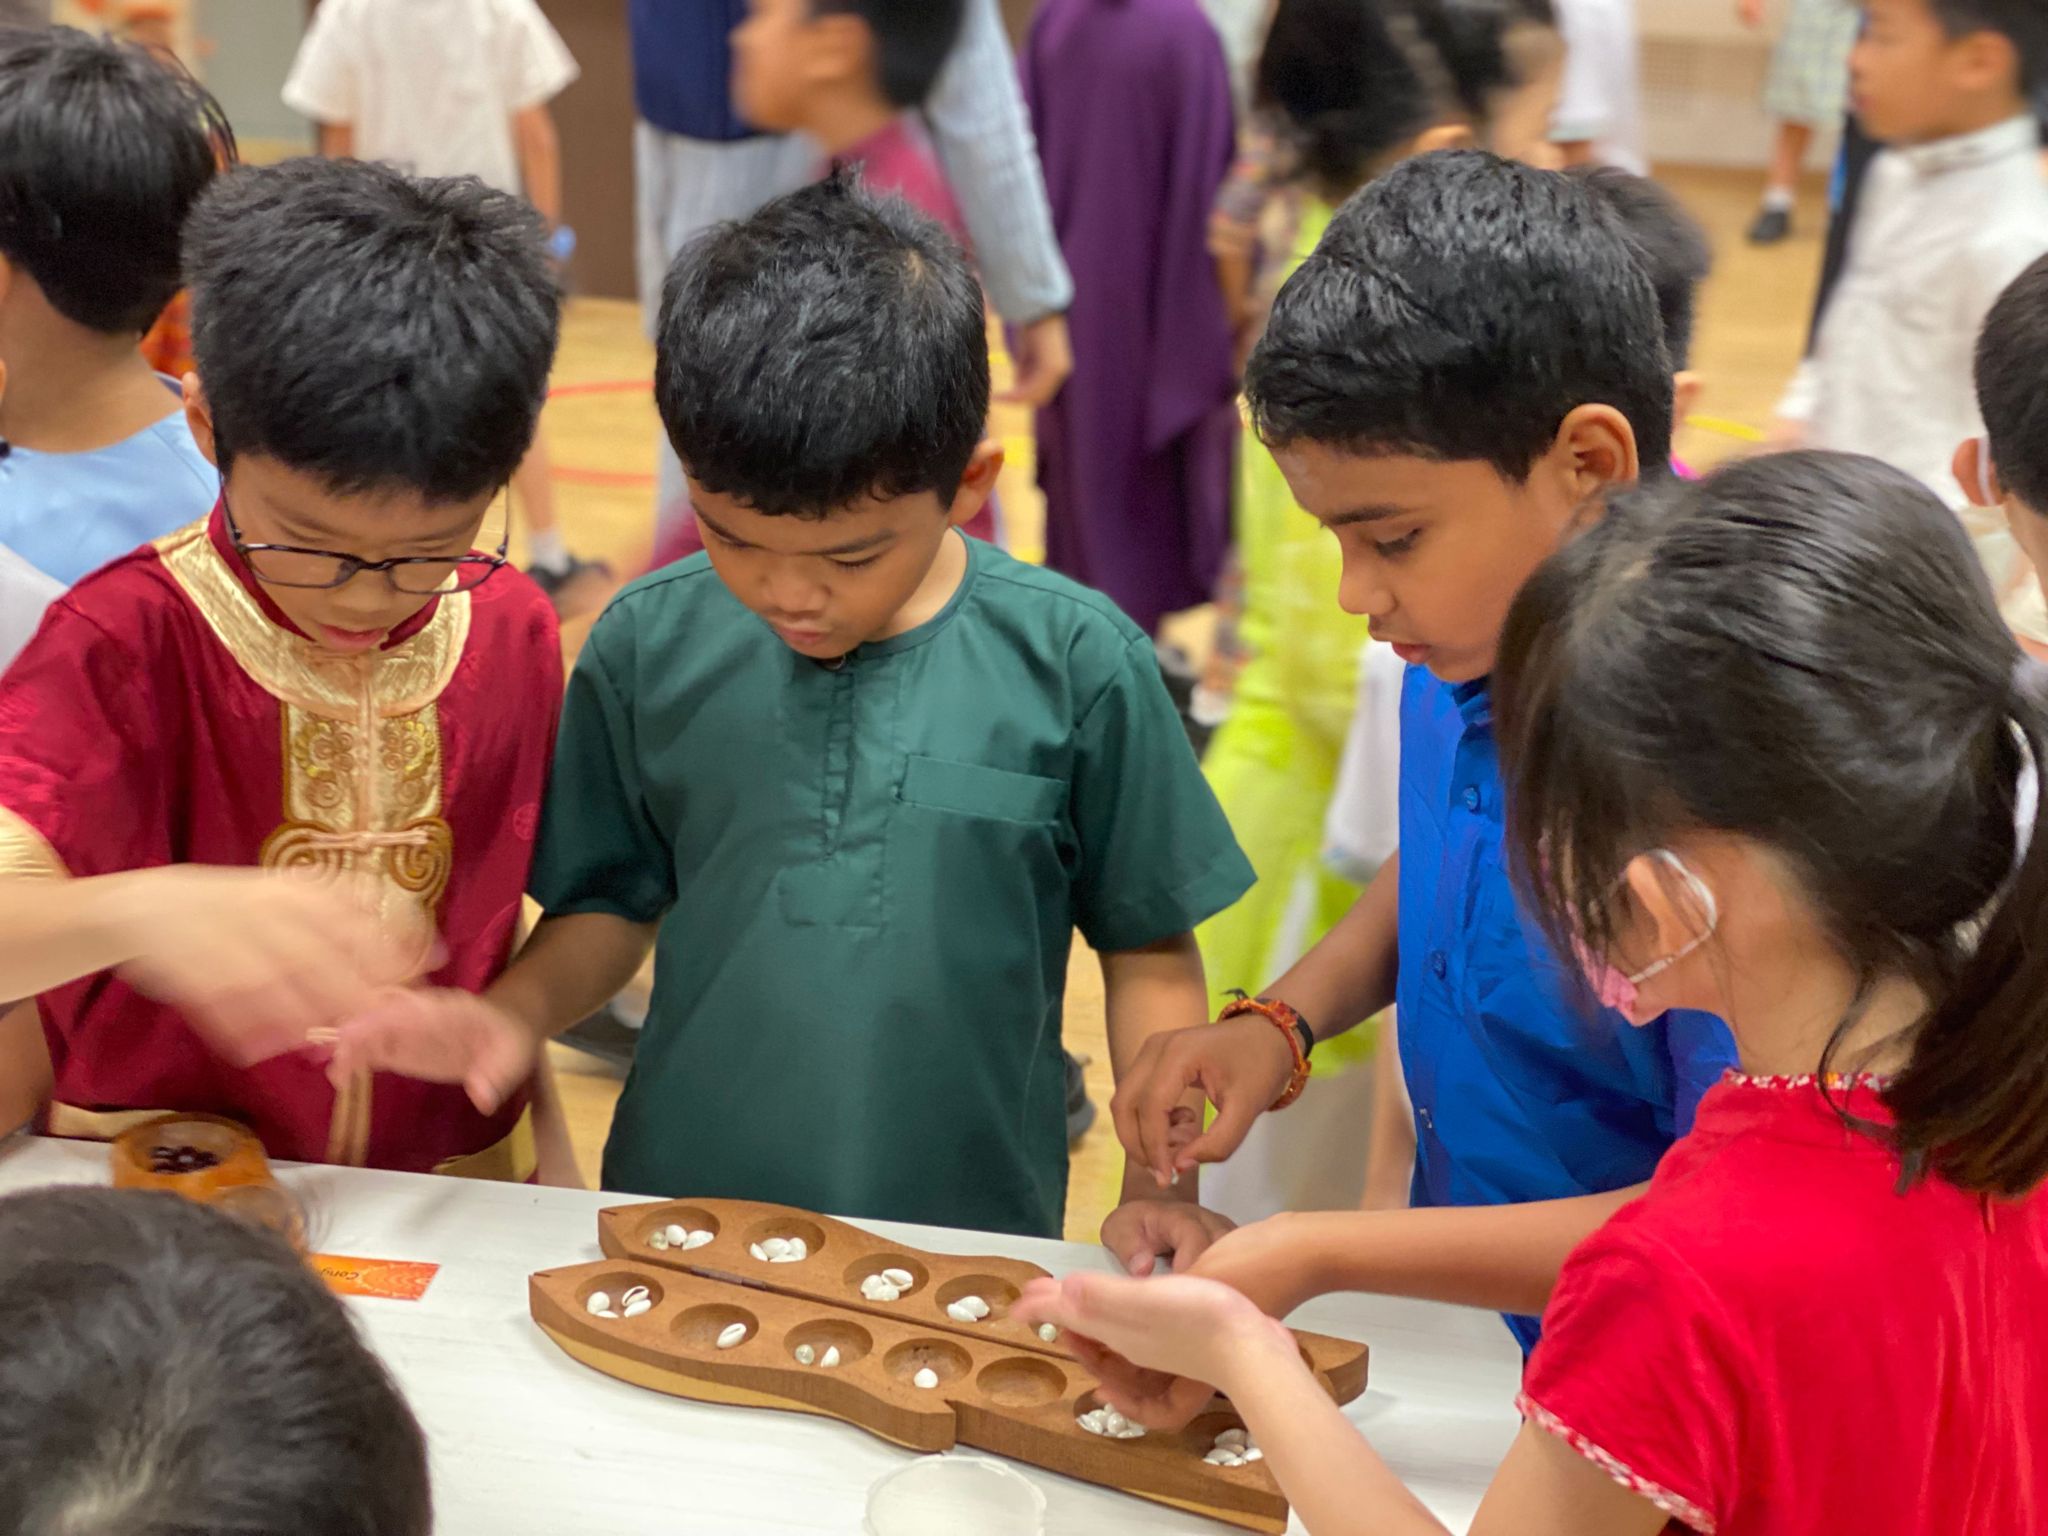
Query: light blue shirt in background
[68,514]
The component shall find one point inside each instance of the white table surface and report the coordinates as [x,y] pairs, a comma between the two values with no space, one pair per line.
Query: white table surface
[525,1440]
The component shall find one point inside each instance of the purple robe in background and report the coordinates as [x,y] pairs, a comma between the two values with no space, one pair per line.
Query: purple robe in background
[1131,103]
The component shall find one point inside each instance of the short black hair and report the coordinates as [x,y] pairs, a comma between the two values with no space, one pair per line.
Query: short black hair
[830,347]
[1459,308]
[913,39]
[1668,242]
[2012,385]
[1348,82]
[104,147]
[166,1369]
[370,329]
[2023,23]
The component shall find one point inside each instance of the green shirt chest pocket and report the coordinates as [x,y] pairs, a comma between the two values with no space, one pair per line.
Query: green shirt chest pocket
[971,789]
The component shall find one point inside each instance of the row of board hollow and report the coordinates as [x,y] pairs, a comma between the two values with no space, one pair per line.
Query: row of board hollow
[1001,1387]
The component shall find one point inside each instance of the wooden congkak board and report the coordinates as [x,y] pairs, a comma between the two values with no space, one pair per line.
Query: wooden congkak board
[1001,1388]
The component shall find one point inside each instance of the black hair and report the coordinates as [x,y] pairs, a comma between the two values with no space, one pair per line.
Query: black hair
[913,39]
[1459,308]
[370,329]
[830,347]
[166,1370]
[1668,242]
[104,147]
[2012,385]
[2023,23]
[1803,651]
[1348,82]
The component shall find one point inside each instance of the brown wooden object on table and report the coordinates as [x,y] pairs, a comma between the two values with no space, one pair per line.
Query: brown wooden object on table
[213,1161]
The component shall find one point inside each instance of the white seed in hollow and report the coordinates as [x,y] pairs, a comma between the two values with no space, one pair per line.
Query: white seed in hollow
[776,1247]
[639,1308]
[799,1249]
[657,1240]
[1131,1432]
[734,1335]
[975,1305]
[1232,1439]
[677,1236]
[887,1293]
[759,1252]
[608,1313]
[831,1358]
[699,1239]
[926,1379]
[1219,1458]
[1253,1453]
[1115,1422]
[600,1301]
[1049,1333]
[805,1355]
[1093,1421]
[638,1293]
[784,1258]
[960,1314]
[902,1279]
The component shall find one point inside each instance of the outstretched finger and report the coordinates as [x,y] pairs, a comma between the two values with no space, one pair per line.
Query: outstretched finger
[1234,1120]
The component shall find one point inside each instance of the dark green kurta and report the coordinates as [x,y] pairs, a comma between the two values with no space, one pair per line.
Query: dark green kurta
[868,879]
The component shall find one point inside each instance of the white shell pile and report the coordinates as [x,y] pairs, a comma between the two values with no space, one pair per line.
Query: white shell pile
[1111,1425]
[635,1303]
[600,1305]
[664,1238]
[926,1379]
[968,1309]
[889,1285]
[781,1250]
[807,1354]
[732,1336]
[1234,1448]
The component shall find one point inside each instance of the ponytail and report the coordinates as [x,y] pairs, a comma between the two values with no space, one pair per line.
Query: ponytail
[1972,1104]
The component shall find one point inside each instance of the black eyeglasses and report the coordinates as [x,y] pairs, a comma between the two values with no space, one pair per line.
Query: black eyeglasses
[287,565]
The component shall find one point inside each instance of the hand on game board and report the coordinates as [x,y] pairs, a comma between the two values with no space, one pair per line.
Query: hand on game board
[1157,1346]
[257,961]
[441,1036]
[1142,1232]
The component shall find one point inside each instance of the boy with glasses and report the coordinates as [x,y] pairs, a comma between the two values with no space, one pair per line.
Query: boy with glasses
[323,678]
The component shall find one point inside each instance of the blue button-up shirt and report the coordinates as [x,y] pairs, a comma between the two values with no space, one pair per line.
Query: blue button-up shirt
[1522,1089]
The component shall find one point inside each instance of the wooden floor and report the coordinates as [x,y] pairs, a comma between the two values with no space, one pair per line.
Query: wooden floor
[602,427]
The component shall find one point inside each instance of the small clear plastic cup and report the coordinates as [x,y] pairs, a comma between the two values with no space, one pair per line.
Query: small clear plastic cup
[949,1495]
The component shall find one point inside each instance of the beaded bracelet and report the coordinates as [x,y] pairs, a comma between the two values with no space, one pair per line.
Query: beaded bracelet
[1291,1026]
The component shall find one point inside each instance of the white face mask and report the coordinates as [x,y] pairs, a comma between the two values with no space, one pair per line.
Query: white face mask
[1620,990]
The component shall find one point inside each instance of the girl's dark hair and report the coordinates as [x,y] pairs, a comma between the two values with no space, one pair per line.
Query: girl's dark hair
[165,1370]
[1803,651]
[1345,83]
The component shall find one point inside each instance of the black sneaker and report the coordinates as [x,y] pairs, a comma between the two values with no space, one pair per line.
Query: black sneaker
[575,586]
[1080,1108]
[1771,226]
[603,1035]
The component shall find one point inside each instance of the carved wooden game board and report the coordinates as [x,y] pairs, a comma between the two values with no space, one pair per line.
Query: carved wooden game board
[1001,1388]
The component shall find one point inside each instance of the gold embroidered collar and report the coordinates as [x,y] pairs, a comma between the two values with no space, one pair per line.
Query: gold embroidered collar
[400,680]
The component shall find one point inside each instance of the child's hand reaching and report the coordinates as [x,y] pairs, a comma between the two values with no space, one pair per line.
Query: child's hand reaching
[1158,1346]
[440,1036]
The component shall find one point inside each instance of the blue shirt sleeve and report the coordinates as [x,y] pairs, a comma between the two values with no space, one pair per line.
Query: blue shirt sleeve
[1702,1050]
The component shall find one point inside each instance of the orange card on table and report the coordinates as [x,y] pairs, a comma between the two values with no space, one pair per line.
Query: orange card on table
[383,1279]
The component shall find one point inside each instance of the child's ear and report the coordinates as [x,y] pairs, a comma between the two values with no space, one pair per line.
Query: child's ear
[1443,136]
[1976,474]
[199,417]
[1595,450]
[1686,387]
[1677,915]
[977,484]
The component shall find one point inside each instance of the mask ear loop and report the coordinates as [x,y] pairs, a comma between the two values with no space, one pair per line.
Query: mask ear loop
[1709,909]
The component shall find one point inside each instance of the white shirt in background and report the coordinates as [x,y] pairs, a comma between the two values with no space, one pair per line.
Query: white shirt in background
[431,86]
[1942,230]
[1600,97]
[24,593]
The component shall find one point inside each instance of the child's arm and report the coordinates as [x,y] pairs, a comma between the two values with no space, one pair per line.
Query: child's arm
[1500,1258]
[255,960]
[491,1044]
[1142,1338]
[1241,1065]
[1390,1158]
[1149,993]
[540,161]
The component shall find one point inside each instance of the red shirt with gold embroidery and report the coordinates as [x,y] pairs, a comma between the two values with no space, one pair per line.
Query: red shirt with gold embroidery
[1775,1342]
[168,713]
